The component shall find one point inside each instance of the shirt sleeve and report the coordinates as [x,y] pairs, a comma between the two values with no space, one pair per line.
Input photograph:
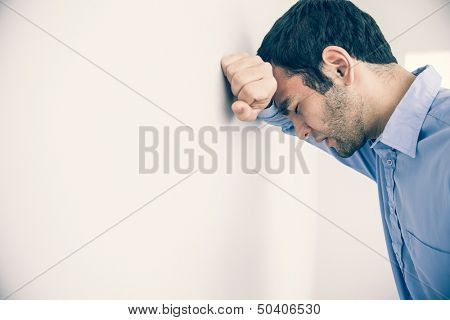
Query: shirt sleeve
[272,116]
[363,160]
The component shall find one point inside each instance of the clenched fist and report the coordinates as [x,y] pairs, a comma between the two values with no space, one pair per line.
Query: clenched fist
[252,82]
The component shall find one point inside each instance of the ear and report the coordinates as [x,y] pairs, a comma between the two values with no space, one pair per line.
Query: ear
[338,64]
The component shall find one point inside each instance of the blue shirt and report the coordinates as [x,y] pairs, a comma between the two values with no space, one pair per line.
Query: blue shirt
[410,162]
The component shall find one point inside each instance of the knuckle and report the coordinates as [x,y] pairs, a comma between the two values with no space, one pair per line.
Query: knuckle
[244,91]
[225,61]
[228,68]
[235,88]
[237,78]
[248,92]
[233,69]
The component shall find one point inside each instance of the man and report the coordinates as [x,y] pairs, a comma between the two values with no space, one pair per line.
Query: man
[326,73]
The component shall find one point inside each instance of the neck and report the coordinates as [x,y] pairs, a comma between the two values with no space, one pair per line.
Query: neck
[387,88]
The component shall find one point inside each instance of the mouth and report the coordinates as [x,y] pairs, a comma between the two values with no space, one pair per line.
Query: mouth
[331,142]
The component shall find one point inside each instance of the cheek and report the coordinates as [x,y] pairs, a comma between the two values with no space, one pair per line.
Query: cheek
[297,121]
[314,117]
[299,125]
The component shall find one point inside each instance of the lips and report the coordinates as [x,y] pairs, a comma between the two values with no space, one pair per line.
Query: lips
[331,142]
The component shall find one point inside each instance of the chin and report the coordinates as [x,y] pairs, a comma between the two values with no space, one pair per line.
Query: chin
[345,154]
[348,152]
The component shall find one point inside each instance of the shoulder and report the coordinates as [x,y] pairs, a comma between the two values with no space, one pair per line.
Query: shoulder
[435,132]
[440,108]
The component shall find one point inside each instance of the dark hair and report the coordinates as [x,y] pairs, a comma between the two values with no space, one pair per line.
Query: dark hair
[297,39]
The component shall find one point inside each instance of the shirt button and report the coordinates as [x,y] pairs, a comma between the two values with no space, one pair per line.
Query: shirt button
[389,162]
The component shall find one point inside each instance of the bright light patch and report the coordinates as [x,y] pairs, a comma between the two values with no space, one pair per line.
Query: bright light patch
[438,59]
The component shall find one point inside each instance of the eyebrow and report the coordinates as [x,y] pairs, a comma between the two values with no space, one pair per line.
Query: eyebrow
[283,107]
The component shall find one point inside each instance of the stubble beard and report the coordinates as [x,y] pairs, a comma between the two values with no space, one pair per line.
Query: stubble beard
[344,118]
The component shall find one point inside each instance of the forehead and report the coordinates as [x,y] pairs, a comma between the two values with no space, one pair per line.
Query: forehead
[289,86]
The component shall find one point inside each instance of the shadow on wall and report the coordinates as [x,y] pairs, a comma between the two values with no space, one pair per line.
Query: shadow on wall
[246,44]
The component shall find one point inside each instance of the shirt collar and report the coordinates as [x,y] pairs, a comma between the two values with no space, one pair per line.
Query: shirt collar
[402,130]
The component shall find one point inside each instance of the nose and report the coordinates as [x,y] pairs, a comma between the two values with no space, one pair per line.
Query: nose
[301,128]
[303,132]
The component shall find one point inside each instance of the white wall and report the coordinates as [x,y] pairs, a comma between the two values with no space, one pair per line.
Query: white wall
[69,120]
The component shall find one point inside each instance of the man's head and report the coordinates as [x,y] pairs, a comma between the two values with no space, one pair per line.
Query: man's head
[314,48]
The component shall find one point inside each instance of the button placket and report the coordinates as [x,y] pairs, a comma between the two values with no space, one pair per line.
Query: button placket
[389,161]
[388,157]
